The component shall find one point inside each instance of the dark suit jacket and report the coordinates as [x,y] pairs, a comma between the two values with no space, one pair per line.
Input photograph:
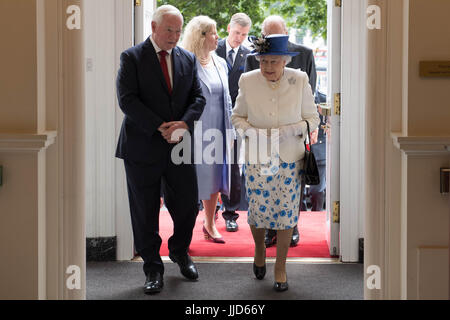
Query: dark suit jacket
[303,61]
[145,100]
[320,148]
[238,68]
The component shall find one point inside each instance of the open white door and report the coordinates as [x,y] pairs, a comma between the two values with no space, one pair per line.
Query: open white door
[124,40]
[143,12]
[333,137]
[134,26]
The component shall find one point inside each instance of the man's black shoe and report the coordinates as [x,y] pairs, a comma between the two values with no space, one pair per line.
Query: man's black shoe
[153,283]
[295,237]
[187,267]
[231,225]
[270,238]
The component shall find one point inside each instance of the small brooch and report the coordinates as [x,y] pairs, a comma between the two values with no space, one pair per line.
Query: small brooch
[292,81]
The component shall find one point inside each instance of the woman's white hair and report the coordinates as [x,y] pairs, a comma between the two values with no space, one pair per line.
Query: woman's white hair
[195,32]
[163,10]
[286,58]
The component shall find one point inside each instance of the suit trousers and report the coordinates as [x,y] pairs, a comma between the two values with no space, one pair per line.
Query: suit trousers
[179,187]
[232,203]
[317,192]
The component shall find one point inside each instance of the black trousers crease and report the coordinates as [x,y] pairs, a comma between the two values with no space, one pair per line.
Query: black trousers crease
[178,184]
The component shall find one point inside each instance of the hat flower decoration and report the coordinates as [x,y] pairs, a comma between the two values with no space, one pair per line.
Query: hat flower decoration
[260,45]
[274,44]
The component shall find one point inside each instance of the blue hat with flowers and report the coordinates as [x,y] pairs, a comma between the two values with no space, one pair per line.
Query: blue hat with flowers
[274,44]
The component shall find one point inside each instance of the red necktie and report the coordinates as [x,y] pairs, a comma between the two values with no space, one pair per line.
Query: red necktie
[164,68]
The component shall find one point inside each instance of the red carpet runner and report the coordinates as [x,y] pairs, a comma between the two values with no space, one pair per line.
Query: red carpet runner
[312,243]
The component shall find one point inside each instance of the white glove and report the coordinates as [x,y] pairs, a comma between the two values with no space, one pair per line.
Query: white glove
[290,130]
[255,132]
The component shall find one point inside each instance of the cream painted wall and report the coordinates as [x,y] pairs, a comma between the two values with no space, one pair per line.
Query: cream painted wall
[428,114]
[22,196]
[406,216]
[22,245]
[427,227]
[18,110]
[429,39]
[41,208]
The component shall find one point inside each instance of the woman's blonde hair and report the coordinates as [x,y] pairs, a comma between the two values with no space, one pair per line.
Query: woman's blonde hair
[195,32]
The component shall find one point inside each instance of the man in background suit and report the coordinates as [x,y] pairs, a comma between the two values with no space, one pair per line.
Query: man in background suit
[319,148]
[232,50]
[305,62]
[159,92]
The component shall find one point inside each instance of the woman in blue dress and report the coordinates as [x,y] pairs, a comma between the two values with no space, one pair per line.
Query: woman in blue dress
[212,141]
[273,105]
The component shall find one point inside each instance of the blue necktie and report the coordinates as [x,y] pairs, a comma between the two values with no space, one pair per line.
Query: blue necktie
[230,59]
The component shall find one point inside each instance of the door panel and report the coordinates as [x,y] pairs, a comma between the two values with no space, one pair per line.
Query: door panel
[143,12]
[333,137]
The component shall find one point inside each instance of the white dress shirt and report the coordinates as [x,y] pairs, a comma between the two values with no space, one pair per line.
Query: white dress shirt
[168,59]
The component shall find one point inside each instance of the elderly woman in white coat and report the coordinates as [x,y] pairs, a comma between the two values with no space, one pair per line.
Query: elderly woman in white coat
[212,158]
[273,103]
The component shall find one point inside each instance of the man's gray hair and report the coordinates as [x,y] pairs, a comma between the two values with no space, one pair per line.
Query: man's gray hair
[241,19]
[163,10]
[273,19]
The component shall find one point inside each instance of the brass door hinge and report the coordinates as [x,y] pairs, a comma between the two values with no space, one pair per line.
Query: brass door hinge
[336,211]
[137,3]
[326,109]
[337,104]
[338,3]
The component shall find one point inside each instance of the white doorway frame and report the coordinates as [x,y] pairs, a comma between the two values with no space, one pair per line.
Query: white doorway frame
[346,164]
[351,84]
[133,26]
[333,136]
[352,140]
[124,40]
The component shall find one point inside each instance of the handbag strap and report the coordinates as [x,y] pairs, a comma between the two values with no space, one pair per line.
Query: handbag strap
[309,135]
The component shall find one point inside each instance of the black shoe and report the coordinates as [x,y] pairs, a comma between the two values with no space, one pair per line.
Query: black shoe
[259,272]
[281,286]
[295,237]
[153,283]
[231,225]
[187,267]
[270,238]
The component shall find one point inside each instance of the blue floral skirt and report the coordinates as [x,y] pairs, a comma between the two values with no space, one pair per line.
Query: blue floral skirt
[273,195]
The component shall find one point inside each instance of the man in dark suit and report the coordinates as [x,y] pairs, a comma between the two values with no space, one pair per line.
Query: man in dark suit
[159,92]
[319,148]
[232,50]
[303,61]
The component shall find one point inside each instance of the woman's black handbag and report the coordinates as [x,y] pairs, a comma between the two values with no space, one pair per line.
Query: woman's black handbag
[310,171]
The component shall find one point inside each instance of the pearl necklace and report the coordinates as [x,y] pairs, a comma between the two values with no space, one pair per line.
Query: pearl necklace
[205,61]
[274,84]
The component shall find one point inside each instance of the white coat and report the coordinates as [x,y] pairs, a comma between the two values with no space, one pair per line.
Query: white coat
[259,106]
